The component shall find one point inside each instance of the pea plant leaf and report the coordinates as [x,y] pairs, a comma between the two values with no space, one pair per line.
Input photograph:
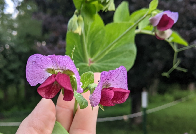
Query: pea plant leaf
[100,49]
[175,37]
[78,3]
[153,5]
[122,12]
[83,103]
[144,23]
[135,16]
[59,129]
[86,79]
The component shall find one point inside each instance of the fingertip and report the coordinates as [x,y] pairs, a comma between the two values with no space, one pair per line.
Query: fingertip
[43,116]
[97,77]
[85,119]
[64,110]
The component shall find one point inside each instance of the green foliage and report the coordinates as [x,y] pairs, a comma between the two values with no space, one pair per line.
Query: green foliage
[101,49]
[101,106]
[144,23]
[78,3]
[176,38]
[91,87]
[135,16]
[153,5]
[88,12]
[83,103]
[59,129]
[73,82]
[86,79]
[122,13]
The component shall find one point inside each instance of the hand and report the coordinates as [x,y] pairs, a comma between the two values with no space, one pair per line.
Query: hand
[42,119]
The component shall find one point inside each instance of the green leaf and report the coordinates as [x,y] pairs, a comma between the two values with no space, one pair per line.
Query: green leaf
[92,87]
[122,12]
[144,23]
[83,103]
[78,3]
[101,54]
[135,16]
[59,129]
[73,82]
[101,106]
[108,5]
[111,6]
[88,12]
[86,79]
[175,37]
[153,5]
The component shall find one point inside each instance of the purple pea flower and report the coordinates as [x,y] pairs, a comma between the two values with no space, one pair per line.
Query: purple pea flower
[164,20]
[52,72]
[112,88]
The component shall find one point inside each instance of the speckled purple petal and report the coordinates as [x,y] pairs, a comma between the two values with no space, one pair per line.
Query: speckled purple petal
[95,97]
[65,63]
[36,69]
[114,78]
[155,20]
[37,65]
[172,15]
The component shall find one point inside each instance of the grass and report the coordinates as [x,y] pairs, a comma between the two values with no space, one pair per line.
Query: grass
[177,119]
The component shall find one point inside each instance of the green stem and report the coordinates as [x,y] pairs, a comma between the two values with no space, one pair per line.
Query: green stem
[84,46]
[171,45]
[101,54]
[75,107]
[185,48]
[181,69]
[175,58]
[139,31]
[172,69]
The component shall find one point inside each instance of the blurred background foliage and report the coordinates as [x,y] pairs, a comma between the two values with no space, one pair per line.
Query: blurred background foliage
[40,26]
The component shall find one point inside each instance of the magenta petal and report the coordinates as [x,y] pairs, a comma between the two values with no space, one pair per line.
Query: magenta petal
[36,69]
[120,95]
[49,88]
[65,63]
[64,81]
[165,23]
[172,15]
[106,96]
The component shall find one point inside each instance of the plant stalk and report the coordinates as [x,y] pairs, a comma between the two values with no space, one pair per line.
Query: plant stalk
[75,107]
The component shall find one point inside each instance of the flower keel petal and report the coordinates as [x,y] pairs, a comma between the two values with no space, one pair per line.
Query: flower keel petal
[64,81]
[49,88]
[106,96]
[120,95]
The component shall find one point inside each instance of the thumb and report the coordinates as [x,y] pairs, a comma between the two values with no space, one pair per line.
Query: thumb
[41,120]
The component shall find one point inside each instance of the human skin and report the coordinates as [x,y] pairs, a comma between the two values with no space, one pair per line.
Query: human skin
[42,119]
